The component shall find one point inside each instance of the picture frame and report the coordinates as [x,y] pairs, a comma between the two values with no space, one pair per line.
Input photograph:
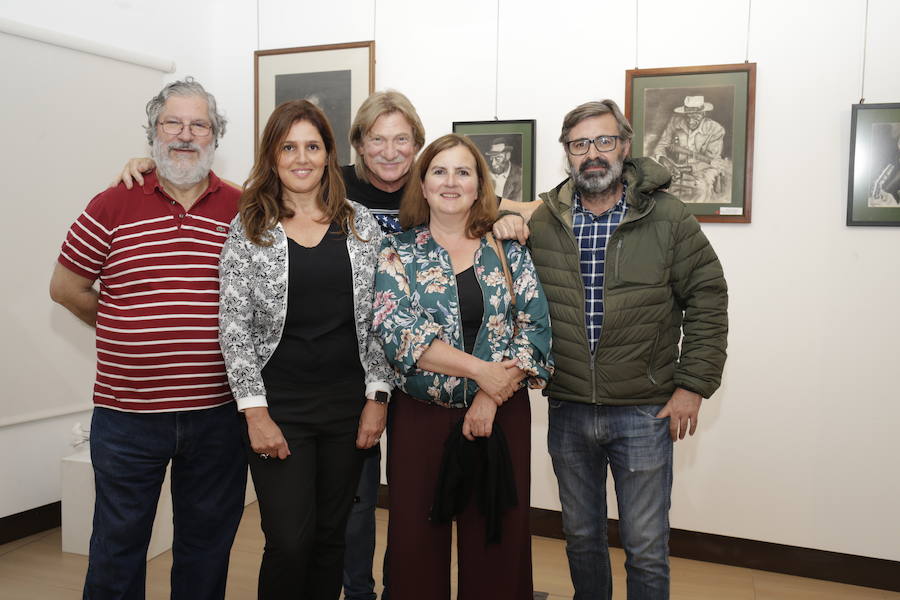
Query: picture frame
[698,122]
[507,145]
[873,195]
[336,77]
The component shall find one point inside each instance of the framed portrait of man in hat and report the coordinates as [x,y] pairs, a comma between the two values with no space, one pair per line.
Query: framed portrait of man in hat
[508,149]
[698,123]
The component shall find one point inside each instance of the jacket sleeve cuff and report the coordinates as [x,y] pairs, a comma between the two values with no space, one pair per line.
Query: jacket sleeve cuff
[506,213]
[251,402]
[695,386]
[377,386]
[430,331]
[691,389]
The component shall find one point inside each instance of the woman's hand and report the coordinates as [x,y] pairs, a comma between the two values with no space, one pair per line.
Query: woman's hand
[479,420]
[371,424]
[498,380]
[133,171]
[516,377]
[265,434]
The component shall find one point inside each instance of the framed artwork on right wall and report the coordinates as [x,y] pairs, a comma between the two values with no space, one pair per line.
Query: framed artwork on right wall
[698,123]
[873,195]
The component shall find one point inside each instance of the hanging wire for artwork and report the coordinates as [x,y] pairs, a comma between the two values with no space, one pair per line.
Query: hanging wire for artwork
[862,85]
[747,49]
[497,68]
[636,4]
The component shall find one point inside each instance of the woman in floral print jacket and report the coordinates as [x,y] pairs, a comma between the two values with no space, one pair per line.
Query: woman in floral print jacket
[297,287]
[462,350]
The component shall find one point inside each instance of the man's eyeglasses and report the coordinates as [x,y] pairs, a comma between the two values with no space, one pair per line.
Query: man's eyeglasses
[603,143]
[198,128]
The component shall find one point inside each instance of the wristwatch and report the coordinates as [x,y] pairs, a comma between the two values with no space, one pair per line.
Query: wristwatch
[381,397]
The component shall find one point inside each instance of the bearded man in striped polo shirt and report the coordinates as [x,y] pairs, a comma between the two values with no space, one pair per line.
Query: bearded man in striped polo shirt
[161,393]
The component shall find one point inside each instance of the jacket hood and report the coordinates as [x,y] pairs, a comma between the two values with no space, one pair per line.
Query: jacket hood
[642,175]
[645,175]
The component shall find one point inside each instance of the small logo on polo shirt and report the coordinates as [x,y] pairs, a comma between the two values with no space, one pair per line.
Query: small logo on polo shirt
[220,228]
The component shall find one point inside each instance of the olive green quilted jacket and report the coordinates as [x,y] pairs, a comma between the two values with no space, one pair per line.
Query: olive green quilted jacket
[662,278]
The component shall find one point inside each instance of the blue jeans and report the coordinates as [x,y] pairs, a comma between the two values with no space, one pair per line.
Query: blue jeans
[583,440]
[360,536]
[129,452]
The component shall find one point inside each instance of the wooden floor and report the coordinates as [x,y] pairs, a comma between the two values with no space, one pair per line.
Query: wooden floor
[35,568]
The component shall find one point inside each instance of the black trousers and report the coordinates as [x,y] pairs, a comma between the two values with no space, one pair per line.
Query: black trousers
[304,502]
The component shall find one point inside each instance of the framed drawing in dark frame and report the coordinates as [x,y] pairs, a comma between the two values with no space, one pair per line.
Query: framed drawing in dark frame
[698,122]
[508,148]
[336,77]
[873,196]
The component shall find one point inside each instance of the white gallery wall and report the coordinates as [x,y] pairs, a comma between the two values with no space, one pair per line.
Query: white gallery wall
[799,446]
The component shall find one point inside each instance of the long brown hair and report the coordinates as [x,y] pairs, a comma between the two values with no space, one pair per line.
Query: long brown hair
[414,208]
[262,204]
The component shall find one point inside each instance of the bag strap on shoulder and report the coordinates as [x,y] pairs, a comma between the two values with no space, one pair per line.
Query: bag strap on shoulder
[501,254]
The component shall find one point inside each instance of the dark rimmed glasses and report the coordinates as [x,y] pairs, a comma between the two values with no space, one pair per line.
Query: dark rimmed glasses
[581,146]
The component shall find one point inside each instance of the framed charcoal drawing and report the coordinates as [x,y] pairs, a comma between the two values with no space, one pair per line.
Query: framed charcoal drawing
[336,77]
[698,123]
[873,197]
[508,148]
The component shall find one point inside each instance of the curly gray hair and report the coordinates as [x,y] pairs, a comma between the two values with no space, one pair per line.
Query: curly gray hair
[188,87]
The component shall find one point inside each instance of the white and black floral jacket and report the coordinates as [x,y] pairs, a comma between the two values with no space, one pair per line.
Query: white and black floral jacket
[253,306]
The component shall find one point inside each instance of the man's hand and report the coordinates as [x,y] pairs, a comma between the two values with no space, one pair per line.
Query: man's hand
[371,424]
[133,171]
[479,419]
[512,227]
[682,408]
[265,434]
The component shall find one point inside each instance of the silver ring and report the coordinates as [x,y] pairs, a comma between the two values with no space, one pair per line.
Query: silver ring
[264,456]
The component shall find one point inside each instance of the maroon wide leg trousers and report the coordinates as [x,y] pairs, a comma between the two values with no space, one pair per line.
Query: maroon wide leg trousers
[419,550]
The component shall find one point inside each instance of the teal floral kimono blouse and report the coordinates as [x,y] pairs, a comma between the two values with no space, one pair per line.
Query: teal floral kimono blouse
[416,301]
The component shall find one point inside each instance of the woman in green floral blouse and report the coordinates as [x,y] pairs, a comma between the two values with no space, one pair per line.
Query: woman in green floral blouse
[463,346]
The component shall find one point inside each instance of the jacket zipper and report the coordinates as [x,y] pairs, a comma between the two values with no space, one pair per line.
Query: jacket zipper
[605,296]
[618,254]
[653,358]
[571,233]
[593,353]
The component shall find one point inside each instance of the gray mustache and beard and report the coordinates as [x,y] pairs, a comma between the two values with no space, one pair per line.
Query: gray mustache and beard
[595,183]
[182,172]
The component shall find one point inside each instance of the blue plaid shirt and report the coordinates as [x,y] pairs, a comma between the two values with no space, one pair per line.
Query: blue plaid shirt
[592,233]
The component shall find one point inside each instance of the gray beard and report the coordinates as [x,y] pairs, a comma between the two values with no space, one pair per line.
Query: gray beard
[182,173]
[594,184]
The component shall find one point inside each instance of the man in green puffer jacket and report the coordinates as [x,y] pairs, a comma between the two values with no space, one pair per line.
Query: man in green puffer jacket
[638,306]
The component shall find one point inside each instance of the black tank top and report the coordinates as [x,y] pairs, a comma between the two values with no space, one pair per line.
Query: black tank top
[471,306]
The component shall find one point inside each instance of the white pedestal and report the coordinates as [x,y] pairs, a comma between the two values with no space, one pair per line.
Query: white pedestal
[78,508]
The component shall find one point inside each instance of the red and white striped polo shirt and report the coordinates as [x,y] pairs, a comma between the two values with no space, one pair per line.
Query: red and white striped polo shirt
[157,322]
